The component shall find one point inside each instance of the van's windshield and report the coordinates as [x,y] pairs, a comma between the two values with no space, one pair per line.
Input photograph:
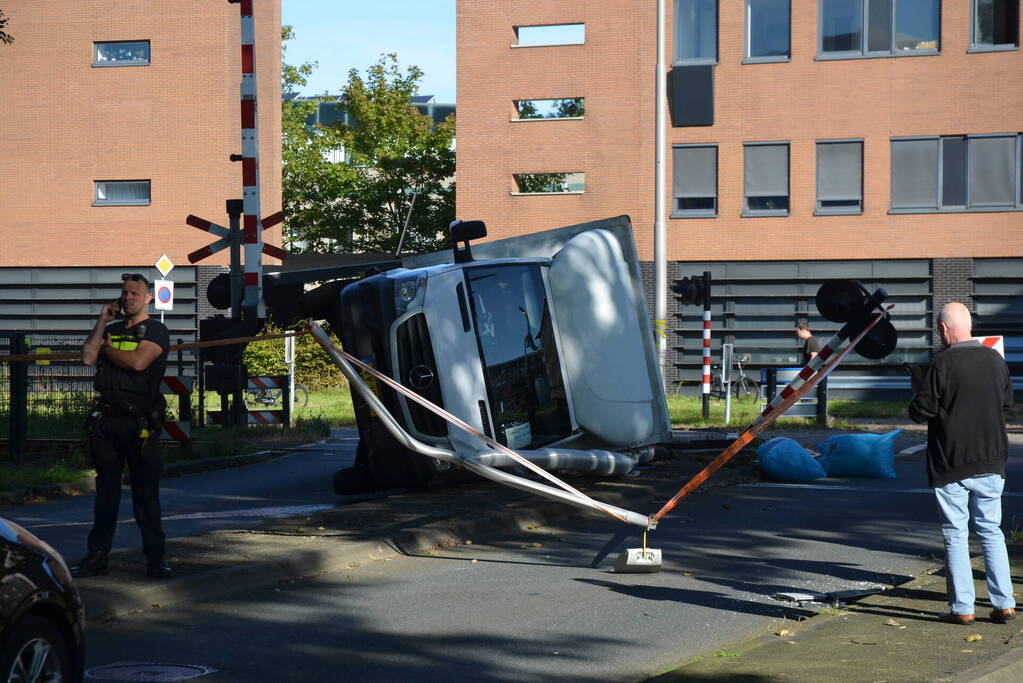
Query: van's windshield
[515,333]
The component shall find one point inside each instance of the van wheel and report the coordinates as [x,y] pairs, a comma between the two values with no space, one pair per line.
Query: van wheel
[353,480]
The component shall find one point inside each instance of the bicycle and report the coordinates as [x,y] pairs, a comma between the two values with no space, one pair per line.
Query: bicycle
[742,385]
[269,396]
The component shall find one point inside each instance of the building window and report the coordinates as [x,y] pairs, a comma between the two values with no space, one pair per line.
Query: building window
[995,24]
[552,34]
[124,53]
[876,28]
[766,178]
[696,31]
[956,173]
[767,30]
[549,183]
[121,193]
[568,108]
[840,177]
[694,181]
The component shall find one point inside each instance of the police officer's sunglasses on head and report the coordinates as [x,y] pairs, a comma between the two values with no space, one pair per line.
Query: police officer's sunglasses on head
[134,277]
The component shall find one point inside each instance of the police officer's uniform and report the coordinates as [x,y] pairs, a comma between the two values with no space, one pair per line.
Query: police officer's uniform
[125,426]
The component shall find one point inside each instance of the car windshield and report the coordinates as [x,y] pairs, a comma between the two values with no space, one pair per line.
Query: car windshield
[516,340]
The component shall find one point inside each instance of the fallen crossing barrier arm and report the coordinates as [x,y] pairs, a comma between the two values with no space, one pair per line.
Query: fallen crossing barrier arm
[808,378]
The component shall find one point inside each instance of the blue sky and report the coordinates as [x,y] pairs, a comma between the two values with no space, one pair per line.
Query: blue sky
[347,34]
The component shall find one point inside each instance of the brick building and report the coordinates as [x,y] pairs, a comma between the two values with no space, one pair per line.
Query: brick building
[808,139]
[118,121]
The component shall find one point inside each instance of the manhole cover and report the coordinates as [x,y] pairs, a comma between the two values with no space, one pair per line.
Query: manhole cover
[148,672]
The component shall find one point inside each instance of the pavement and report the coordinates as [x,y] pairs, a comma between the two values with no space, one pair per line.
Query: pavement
[892,636]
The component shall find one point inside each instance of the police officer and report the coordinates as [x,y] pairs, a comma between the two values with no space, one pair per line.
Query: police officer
[129,350]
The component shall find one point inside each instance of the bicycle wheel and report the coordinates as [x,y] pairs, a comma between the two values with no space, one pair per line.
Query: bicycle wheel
[301,396]
[258,399]
[744,388]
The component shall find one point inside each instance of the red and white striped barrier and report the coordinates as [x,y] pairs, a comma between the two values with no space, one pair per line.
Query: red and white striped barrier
[176,430]
[268,382]
[252,226]
[178,386]
[997,343]
[179,430]
[706,351]
[256,417]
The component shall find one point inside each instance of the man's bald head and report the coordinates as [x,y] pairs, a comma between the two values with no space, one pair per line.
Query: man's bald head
[956,324]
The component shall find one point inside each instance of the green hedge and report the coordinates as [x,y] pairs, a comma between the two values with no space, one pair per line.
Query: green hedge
[313,368]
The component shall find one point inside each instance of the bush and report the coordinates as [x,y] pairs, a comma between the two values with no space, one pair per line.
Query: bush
[313,367]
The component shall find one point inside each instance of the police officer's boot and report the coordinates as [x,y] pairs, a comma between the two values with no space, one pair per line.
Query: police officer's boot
[158,569]
[93,564]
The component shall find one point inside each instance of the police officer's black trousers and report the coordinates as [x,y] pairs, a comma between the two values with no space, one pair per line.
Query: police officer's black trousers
[116,441]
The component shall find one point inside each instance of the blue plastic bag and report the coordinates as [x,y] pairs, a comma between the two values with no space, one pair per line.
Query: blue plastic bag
[859,455]
[784,459]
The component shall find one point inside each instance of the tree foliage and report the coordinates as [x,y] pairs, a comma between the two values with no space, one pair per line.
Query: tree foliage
[572,107]
[390,160]
[312,186]
[5,37]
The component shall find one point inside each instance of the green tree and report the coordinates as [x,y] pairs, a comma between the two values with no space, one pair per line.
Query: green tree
[542,182]
[402,161]
[5,37]
[528,110]
[312,186]
[569,108]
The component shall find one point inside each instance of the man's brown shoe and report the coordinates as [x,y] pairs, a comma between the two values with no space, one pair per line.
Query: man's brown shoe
[961,619]
[1002,616]
[93,564]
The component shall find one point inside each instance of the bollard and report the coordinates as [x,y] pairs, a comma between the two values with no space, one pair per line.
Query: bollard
[822,404]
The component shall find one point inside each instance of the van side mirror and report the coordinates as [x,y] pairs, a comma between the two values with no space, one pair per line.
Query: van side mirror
[462,232]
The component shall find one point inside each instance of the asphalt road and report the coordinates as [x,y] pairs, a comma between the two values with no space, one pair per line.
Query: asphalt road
[528,607]
[199,503]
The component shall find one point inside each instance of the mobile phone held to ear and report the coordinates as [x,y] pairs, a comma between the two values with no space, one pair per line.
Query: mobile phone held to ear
[120,308]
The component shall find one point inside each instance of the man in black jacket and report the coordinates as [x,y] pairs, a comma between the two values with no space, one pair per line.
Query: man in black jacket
[963,397]
[130,355]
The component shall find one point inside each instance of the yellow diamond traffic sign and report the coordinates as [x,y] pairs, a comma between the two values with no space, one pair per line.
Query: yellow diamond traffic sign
[164,265]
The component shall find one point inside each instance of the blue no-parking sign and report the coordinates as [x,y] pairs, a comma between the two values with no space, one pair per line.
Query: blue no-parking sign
[163,295]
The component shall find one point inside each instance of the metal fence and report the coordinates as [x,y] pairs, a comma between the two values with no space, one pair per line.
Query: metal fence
[42,401]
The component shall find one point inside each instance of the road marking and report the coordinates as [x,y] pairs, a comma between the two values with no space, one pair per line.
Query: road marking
[840,487]
[277,511]
[913,449]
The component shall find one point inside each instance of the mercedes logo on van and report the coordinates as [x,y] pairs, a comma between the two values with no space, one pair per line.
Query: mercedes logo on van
[420,377]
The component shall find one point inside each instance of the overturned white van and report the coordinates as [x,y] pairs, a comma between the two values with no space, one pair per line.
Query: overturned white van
[542,342]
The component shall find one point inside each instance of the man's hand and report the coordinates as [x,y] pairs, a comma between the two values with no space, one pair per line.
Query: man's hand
[109,311]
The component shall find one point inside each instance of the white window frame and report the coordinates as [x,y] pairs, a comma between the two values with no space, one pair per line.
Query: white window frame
[516,44]
[96,61]
[97,201]
[578,174]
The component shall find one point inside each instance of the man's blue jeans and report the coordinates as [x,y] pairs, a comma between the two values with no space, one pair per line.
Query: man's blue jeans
[980,497]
